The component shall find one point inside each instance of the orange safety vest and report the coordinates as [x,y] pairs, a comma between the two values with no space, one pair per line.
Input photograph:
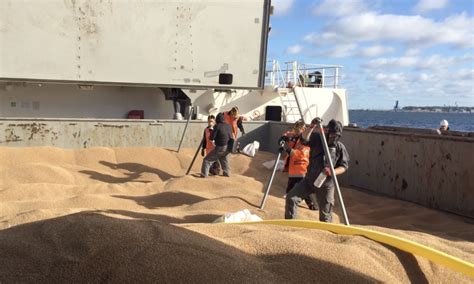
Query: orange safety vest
[297,164]
[209,145]
[232,122]
[299,161]
[291,143]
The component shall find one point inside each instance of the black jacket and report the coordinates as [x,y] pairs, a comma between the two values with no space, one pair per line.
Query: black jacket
[317,161]
[222,134]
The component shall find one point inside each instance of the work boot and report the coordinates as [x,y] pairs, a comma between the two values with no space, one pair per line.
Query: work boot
[226,175]
[312,206]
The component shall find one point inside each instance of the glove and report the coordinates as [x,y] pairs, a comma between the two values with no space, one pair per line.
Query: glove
[327,171]
[283,139]
[203,152]
[285,148]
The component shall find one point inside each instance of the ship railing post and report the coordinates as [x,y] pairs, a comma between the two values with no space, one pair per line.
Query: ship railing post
[295,72]
[323,79]
[273,72]
[336,77]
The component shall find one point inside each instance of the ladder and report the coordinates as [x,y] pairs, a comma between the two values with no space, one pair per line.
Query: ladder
[291,107]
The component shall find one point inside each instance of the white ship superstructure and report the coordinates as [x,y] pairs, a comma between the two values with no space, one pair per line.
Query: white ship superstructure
[72,59]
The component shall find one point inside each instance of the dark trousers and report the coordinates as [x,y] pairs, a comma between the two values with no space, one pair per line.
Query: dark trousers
[302,190]
[311,200]
[215,169]
[220,154]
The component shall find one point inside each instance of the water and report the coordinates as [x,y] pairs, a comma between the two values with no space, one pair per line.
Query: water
[457,121]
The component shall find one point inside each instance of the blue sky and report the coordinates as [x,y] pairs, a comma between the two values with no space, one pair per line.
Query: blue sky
[420,52]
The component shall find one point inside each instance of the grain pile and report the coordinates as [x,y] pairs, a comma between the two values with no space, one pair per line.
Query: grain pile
[129,214]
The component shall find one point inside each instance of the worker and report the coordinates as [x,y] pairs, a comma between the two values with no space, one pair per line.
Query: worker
[207,145]
[234,119]
[222,139]
[317,165]
[297,160]
[444,125]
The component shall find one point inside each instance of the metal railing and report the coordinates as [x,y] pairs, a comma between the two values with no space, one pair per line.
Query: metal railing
[302,74]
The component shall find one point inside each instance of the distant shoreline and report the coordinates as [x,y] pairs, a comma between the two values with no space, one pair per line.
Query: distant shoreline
[461,110]
[458,121]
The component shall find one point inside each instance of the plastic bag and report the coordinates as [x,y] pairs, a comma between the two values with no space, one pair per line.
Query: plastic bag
[240,216]
[251,149]
[269,165]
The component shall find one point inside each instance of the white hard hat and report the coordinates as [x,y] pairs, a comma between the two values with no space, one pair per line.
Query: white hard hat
[444,122]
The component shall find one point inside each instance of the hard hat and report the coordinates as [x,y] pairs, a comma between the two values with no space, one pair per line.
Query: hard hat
[444,122]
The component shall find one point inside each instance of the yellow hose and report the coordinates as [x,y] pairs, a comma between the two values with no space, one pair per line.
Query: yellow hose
[435,256]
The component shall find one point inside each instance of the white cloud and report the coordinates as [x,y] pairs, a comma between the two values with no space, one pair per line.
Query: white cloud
[339,8]
[428,5]
[390,81]
[464,74]
[351,49]
[442,62]
[294,49]
[355,28]
[375,50]
[437,83]
[281,7]
[412,51]
[312,38]
[340,50]
[432,62]
[423,77]
[415,31]
[404,61]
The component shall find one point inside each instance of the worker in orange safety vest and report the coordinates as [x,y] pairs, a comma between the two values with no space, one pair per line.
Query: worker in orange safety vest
[234,119]
[297,160]
[208,145]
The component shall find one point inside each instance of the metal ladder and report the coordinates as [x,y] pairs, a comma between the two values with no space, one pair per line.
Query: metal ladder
[292,109]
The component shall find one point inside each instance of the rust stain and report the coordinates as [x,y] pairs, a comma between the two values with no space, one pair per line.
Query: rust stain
[85,17]
[86,142]
[35,128]
[111,125]
[404,184]
[11,136]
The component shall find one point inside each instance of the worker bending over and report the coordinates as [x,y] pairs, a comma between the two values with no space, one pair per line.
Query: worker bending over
[234,119]
[223,140]
[208,146]
[318,164]
[297,160]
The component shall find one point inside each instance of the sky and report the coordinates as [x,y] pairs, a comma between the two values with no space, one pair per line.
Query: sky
[420,52]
